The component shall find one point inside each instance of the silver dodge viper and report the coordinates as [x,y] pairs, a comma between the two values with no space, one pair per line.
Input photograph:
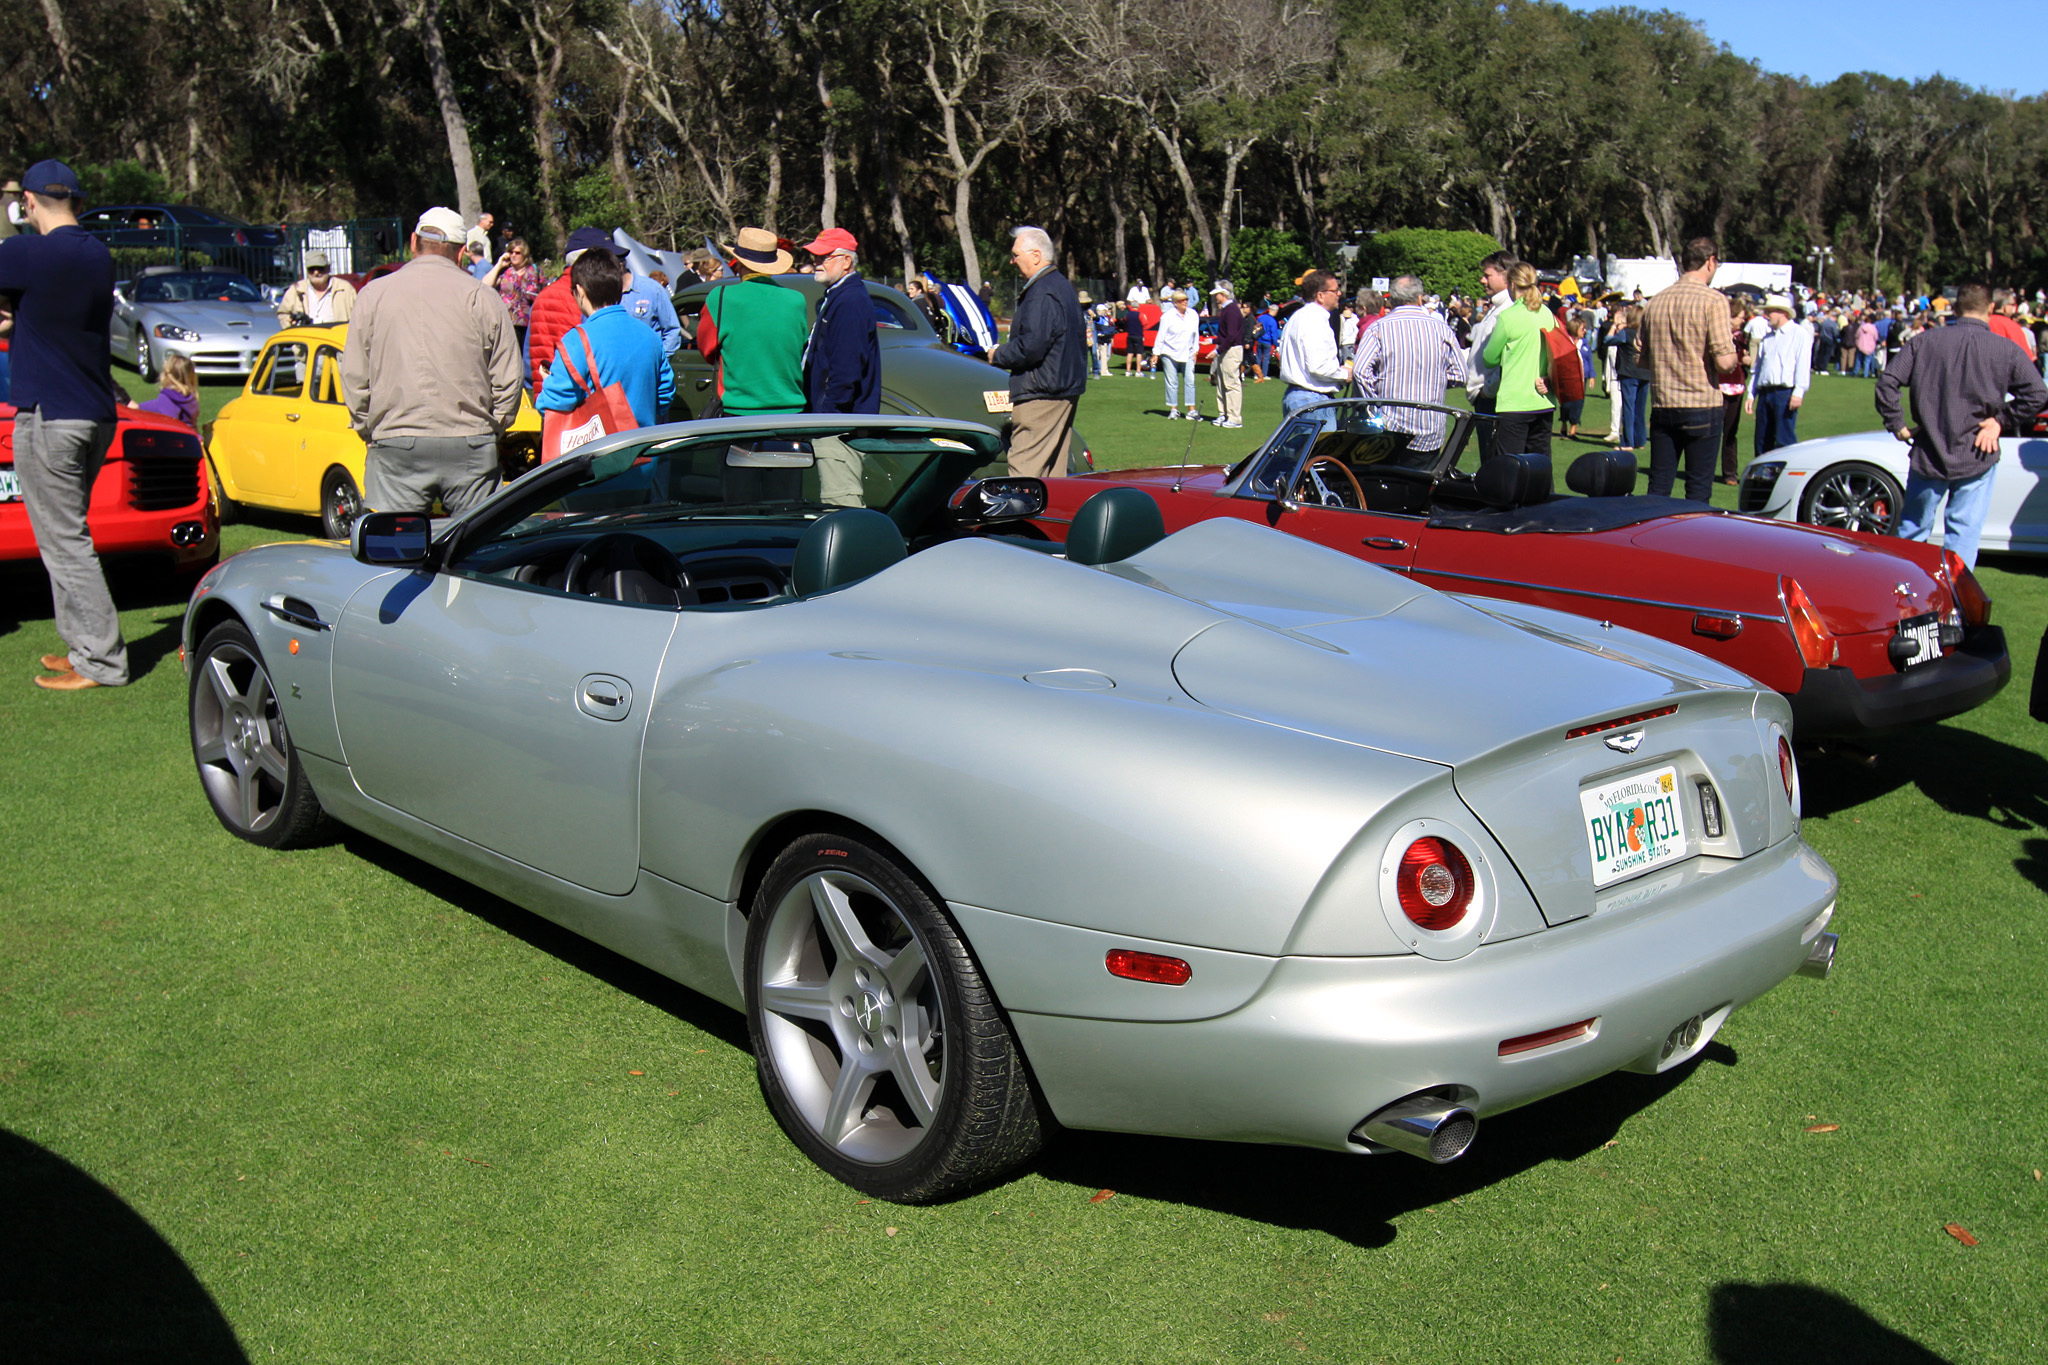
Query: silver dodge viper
[1220,834]
[215,317]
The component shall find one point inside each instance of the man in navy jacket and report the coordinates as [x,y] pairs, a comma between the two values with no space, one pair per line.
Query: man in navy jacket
[1047,357]
[842,362]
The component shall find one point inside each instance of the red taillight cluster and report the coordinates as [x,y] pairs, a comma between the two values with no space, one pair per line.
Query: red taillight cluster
[1969,593]
[1788,772]
[1434,884]
[1816,641]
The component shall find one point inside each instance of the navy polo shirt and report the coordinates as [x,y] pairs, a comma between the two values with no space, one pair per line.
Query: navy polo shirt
[65,283]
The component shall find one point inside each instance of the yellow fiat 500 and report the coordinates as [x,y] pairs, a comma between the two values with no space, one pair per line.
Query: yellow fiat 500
[286,442]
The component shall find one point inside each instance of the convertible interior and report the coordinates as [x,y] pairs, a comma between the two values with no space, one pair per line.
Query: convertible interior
[713,522]
[1403,459]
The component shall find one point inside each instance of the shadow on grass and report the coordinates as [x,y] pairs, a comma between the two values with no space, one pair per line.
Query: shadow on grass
[1356,1198]
[89,1279]
[572,949]
[1765,1324]
[1962,772]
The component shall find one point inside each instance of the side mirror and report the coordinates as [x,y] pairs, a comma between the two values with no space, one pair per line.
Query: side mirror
[391,538]
[987,501]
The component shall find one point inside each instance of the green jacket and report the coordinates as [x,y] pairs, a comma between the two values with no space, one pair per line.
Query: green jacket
[757,336]
[1517,347]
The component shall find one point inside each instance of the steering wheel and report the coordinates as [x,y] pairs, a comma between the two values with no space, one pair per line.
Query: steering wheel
[1309,487]
[596,560]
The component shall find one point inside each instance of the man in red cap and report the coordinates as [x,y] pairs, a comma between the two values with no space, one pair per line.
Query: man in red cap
[842,360]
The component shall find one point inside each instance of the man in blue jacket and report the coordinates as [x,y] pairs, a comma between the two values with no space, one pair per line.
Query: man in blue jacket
[1047,357]
[626,350]
[842,361]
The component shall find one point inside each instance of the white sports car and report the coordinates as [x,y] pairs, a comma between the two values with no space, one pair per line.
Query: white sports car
[1857,482]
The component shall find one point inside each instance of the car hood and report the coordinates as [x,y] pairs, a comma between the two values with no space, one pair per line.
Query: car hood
[1853,579]
[209,319]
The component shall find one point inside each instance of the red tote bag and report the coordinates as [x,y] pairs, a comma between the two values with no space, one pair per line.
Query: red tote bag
[603,411]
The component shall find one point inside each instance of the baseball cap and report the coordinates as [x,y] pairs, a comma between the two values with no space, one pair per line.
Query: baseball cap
[440,225]
[589,239]
[317,260]
[52,180]
[831,240]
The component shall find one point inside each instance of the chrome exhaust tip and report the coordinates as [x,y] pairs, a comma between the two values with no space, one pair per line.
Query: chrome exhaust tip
[1820,959]
[1425,1125]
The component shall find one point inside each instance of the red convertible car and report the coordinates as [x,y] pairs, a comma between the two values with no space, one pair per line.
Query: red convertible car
[151,499]
[1205,349]
[1860,632]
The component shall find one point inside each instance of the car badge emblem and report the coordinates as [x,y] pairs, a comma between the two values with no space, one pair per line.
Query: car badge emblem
[1626,744]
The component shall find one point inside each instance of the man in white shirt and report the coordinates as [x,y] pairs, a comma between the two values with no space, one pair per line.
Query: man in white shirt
[1482,381]
[1308,347]
[1139,294]
[1781,368]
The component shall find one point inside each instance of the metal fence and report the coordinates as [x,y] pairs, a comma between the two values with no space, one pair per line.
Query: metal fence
[272,256]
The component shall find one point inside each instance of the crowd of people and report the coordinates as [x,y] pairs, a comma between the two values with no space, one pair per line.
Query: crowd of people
[439,352]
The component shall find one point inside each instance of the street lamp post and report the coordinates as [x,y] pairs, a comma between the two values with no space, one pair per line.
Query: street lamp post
[1820,256]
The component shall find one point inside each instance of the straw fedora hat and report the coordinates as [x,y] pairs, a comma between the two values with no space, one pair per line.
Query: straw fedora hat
[760,252]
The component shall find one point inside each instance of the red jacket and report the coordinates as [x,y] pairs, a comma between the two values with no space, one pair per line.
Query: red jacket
[554,313]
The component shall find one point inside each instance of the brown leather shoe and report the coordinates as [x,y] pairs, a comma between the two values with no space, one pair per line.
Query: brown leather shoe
[65,682]
[58,663]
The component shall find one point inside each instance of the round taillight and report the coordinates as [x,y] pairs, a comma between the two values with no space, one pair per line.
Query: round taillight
[1787,772]
[1434,884]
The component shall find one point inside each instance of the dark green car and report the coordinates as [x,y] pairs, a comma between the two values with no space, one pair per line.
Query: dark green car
[921,375]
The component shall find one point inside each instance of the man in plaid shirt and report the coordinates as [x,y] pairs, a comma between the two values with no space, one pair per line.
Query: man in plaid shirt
[1686,345]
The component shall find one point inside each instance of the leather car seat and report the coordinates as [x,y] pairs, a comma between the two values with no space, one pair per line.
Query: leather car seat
[1114,524]
[1602,474]
[1514,480]
[844,547]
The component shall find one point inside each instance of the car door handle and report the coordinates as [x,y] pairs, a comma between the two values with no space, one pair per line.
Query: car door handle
[293,610]
[704,383]
[604,696]
[1383,543]
[291,417]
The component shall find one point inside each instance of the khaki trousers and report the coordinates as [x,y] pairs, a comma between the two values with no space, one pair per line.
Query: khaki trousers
[1230,384]
[1041,429]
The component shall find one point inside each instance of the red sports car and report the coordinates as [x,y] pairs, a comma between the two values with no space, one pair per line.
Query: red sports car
[1860,632]
[151,497]
[1205,349]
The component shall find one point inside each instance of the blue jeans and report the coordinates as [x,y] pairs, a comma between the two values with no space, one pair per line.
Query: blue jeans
[1693,434]
[1777,422]
[1635,413]
[1295,399]
[1967,499]
[1180,375]
[1263,358]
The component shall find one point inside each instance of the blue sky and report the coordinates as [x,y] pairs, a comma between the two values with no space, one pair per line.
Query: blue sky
[1994,44]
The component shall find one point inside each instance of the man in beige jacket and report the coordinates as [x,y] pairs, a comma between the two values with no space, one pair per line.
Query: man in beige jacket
[431,376]
[317,297]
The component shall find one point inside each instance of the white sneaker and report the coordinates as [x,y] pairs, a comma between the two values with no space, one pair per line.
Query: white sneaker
[1174,414]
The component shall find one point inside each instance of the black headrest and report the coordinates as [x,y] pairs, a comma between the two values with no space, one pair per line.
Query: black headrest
[1514,480]
[1113,525]
[844,547]
[1602,474]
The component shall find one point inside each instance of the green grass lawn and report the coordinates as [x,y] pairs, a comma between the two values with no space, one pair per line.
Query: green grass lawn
[335,1105]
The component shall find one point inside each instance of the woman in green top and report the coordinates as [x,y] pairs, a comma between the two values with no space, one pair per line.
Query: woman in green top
[1516,345]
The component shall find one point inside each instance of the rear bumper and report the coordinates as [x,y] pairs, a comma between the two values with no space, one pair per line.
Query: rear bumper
[1835,702]
[1327,1042]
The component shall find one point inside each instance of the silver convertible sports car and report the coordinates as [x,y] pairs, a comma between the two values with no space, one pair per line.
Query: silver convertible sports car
[217,317]
[1222,834]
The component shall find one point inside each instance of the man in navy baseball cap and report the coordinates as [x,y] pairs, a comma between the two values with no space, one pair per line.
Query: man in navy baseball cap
[64,395]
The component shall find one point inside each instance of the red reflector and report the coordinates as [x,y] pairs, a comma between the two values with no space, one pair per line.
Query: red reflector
[1597,726]
[1718,627]
[1133,965]
[1529,1042]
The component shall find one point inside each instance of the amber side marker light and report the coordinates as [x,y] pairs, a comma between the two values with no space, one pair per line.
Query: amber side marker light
[1529,1042]
[1133,965]
[1717,627]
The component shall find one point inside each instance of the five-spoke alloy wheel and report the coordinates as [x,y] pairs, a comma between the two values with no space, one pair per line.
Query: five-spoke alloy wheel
[1853,497]
[247,765]
[881,1050]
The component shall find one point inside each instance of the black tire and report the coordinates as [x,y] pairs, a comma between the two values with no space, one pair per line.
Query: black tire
[340,504]
[145,359]
[1853,497]
[225,509]
[947,1104]
[248,768]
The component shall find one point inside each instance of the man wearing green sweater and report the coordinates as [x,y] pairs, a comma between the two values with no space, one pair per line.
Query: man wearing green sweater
[755,330]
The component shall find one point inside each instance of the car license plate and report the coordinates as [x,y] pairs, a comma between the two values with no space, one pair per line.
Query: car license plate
[997,400]
[1925,632]
[1633,824]
[10,487]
